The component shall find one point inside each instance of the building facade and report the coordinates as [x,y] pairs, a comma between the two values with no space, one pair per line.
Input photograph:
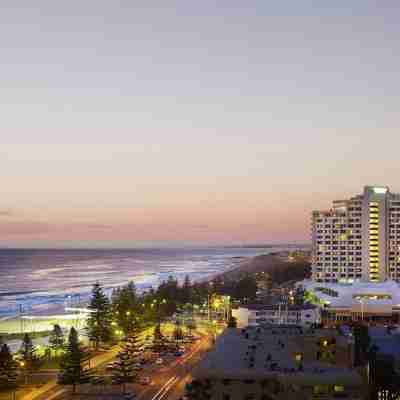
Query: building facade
[259,314]
[247,364]
[358,239]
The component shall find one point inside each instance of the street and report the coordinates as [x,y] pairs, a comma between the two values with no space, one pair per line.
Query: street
[167,381]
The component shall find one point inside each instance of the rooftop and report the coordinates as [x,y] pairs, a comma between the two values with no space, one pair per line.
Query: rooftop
[271,352]
[372,295]
[276,307]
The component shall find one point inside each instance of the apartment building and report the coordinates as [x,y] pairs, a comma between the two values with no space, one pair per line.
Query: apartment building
[259,314]
[358,238]
[280,363]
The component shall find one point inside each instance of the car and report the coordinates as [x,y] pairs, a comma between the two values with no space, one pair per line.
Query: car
[110,366]
[130,396]
[145,380]
[159,361]
[178,353]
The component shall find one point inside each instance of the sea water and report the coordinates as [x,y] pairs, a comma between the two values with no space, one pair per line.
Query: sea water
[46,281]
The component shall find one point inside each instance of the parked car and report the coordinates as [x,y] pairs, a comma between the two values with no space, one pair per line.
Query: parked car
[110,366]
[178,353]
[145,380]
[159,361]
[130,396]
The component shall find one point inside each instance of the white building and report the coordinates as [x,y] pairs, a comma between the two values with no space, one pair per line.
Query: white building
[358,239]
[258,314]
[357,301]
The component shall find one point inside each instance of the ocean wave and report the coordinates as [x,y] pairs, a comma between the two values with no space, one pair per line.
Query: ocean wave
[47,278]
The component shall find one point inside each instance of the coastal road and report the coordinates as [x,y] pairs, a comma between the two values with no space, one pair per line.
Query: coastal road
[48,391]
[51,388]
[168,382]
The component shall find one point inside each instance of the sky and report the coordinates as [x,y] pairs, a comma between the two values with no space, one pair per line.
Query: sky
[131,123]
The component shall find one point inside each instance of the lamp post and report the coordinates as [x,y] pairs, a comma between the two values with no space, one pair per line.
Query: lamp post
[362,308]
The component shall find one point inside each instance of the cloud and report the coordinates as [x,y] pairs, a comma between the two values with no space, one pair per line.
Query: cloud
[18,228]
[5,213]
[99,227]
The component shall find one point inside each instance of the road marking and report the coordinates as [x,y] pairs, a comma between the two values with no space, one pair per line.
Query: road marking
[162,395]
[54,395]
[164,390]
[171,379]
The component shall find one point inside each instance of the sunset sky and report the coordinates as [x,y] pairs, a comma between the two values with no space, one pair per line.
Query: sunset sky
[131,123]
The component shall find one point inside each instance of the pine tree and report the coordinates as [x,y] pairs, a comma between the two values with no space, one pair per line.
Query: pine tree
[125,305]
[8,369]
[123,372]
[186,290]
[57,340]
[30,359]
[159,341]
[132,341]
[72,369]
[177,334]
[99,321]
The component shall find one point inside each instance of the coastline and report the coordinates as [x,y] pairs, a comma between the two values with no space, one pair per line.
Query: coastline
[43,320]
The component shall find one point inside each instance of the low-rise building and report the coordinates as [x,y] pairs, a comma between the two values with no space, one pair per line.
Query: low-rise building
[357,301]
[275,362]
[258,314]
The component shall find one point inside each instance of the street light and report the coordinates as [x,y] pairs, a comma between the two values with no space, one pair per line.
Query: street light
[361,300]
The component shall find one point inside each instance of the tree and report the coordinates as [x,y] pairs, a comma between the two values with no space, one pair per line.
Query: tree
[30,359]
[159,341]
[72,365]
[178,333]
[125,307]
[167,297]
[99,321]
[132,342]
[232,323]
[186,291]
[8,369]
[57,340]
[246,288]
[123,372]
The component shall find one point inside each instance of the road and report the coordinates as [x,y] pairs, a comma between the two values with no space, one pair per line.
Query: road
[168,382]
[47,391]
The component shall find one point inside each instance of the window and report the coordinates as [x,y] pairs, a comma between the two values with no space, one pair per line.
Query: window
[321,389]
[338,388]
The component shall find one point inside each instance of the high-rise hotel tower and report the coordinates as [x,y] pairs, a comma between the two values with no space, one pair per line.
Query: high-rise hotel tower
[358,239]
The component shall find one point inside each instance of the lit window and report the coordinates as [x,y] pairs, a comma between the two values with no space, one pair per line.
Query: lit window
[338,388]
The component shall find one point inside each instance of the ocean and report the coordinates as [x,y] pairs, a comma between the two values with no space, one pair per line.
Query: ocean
[39,282]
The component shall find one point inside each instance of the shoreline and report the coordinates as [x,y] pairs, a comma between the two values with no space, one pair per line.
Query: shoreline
[43,320]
